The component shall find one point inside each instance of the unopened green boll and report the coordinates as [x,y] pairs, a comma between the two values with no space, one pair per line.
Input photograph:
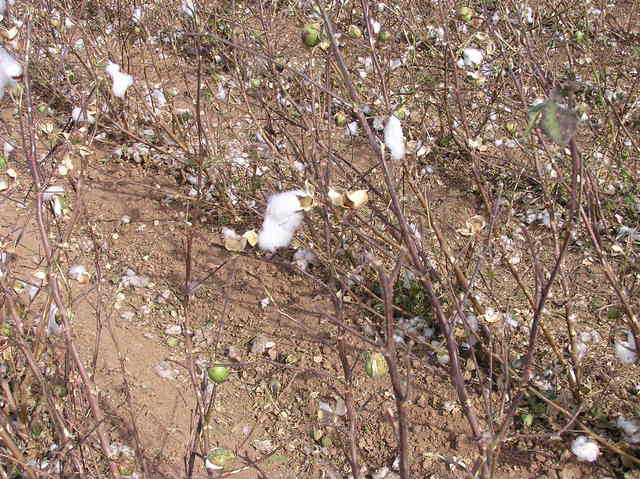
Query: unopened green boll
[341,119]
[311,34]
[354,32]
[465,13]
[218,374]
[376,365]
[219,456]
[384,36]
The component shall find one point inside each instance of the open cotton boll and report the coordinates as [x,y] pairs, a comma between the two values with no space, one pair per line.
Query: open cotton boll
[79,115]
[585,449]
[282,219]
[7,149]
[9,65]
[626,351]
[303,257]
[285,209]
[156,98]
[52,191]
[137,15]
[472,56]
[76,113]
[630,429]
[188,7]
[272,236]
[112,68]
[53,328]
[394,138]
[121,81]
[78,272]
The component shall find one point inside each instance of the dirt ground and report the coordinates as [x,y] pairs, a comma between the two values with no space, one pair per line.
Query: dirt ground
[122,336]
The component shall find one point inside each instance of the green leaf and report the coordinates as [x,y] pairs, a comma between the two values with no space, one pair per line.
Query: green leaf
[527,419]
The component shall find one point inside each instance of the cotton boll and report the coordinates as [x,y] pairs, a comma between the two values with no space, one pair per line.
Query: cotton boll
[9,65]
[630,429]
[76,114]
[285,209]
[7,149]
[394,138]
[112,68]
[353,129]
[282,219]
[472,56]
[157,98]
[188,7]
[53,328]
[78,272]
[121,82]
[272,236]
[137,15]
[626,351]
[79,115]
[303,257]
[585,449]
[51,191]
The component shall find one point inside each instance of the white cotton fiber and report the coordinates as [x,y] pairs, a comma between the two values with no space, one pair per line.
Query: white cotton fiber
[53,328]
[630,429]
[394,138]
[9,65]
[137,15]
[282,219]
[121,81]
[10,69]
[112,68]
[303,257]
[78,272]
[188,7]
[626,351]
[585,449]
[472,56]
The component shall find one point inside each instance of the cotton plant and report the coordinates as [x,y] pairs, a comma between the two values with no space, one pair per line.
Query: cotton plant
[121,81]
[282,218]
